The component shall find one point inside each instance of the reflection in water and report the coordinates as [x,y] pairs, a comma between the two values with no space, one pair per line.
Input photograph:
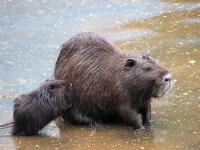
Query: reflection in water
[31,32]
[75,138]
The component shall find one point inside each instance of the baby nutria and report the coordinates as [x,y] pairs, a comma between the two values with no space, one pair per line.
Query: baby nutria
[36,109]
[109,84]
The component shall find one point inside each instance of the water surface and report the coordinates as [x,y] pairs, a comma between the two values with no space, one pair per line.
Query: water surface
[31,33]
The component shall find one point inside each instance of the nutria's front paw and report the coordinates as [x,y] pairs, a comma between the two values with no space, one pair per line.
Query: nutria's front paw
[147,124]
[142,129]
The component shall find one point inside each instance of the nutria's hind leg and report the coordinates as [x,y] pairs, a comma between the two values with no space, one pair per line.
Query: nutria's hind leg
[130,116]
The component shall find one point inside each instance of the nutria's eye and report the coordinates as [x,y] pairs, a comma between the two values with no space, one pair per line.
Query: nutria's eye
[143,57]
[130,63]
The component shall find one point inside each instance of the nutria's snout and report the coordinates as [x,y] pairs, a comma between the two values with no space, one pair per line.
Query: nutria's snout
[165,86]
[167,78]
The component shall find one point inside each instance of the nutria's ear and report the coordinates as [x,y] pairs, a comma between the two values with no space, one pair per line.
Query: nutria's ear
[51,87]
[148,53]
[130,62]
[145,57]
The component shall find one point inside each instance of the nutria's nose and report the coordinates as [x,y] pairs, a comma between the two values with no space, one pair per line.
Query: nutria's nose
[167,77]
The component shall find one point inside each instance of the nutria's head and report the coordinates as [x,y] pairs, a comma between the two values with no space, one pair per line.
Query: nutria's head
[148,76]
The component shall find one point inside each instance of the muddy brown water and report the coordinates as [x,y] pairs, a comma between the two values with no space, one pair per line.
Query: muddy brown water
[32,31]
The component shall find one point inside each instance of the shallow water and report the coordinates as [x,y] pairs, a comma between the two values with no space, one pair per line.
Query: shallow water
[32,31]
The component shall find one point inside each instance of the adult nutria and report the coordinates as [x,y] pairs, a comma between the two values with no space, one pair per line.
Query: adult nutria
[36,109]
[108,83]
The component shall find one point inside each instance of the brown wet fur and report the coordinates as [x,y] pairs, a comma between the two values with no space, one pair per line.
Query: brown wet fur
[34,110]
[109,85]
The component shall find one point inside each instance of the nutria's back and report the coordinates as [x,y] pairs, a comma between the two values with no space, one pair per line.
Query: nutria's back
[87,41]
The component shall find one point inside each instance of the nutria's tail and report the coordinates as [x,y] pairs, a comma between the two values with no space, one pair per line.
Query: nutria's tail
[6,125]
